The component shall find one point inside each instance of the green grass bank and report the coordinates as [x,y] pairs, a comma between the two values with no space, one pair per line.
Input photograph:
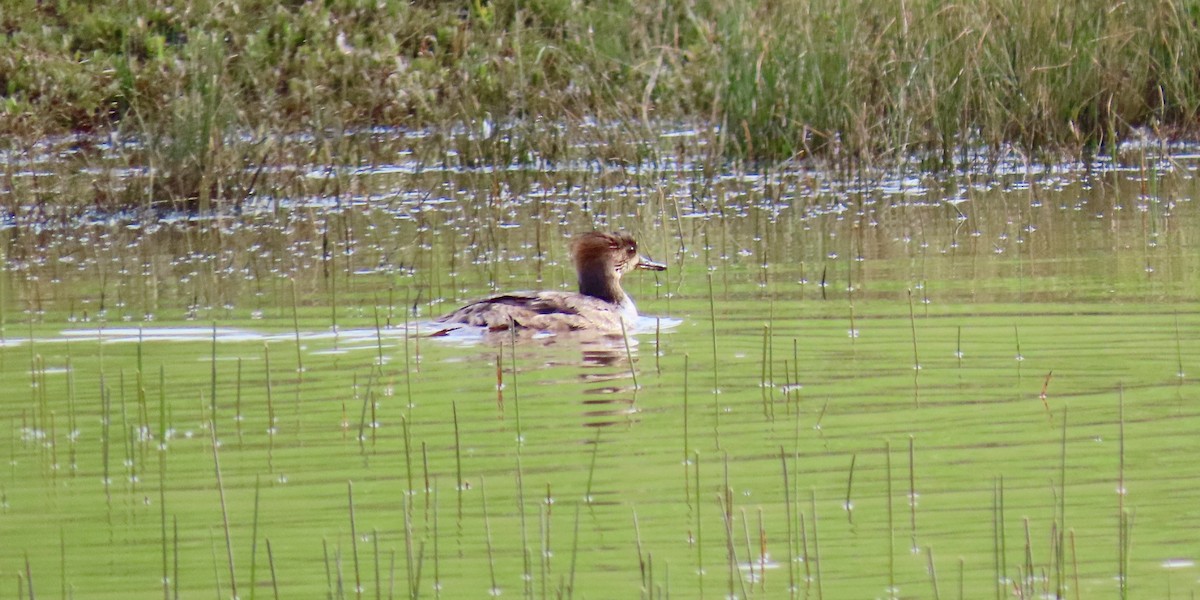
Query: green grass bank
[201,83]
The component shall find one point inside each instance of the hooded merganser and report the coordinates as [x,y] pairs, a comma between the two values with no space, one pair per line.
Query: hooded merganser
[600,305]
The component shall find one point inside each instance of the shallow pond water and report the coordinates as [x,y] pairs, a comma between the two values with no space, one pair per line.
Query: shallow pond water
[897,385]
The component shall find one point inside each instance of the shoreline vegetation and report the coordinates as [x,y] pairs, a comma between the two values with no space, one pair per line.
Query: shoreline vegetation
[209,100]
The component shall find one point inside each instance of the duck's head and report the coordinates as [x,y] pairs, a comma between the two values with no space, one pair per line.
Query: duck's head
[611,254]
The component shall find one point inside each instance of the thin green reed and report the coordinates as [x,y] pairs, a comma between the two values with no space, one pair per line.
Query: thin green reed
[1178,351]
[816,545]
[516,399]
[1000,539]
[887,450]
[428,489]
[749,553]
[849,504]
[1124,522]
[762,381]
[712,315]
[327,257]
[723,501]
[912,490]
[271,420]
[296,332]
[212,386]
[362,416]
[527,572]
[912,323]
[1060,554]
[587,494]
[354,539]
[487,530]
[420,564]
[408,370]
[794,382]
[299,353]
[641,556]
[570,583]
[129,441]
[458,476]
[162,516]
[224,512]
[406,431]
[72,427]
[1074,565]
[791,545]
[657,346]
[254,538]
[962,564]
[328,570]
[932,573]
[106,437]
[1019,357]
[379,340]
[437,569]
[687,449]
[33,384]
[1029,581]
[62,564]
[175,557]
[271,564]
[237,404]
[958,351]
[409,559]
[28,578]
[699,540]
[391,590]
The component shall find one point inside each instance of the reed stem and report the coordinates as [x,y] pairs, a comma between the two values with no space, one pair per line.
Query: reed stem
[224,512]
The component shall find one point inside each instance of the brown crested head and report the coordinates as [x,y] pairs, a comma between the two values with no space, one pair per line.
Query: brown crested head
[601,258]
[616,251]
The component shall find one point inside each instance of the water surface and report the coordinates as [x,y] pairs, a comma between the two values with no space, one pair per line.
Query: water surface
[890,385]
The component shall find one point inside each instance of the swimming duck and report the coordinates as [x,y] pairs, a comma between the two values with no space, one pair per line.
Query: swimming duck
[600,305]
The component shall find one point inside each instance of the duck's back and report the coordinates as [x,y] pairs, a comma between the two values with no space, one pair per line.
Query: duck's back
[545,311]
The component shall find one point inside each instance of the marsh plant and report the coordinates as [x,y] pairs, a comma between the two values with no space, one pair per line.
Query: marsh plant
[221,101]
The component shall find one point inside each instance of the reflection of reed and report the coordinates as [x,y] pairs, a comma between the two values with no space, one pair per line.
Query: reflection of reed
[600,366]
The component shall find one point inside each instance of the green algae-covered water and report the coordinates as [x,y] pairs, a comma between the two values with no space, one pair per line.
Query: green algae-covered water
[900,386]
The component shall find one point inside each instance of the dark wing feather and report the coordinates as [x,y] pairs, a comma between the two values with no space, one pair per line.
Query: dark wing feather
[547,311]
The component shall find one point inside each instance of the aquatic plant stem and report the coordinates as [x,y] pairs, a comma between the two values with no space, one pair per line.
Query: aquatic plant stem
[712,315]
[487,530]
[912,323]
[848,504]
[271,564]
[629,356]
[587,494]
[354,539]
[932,573]
[912,491]
[458,478]
[1123,520]
[515,397]
[254,539]
[224,511]
[816,545]
[570,591]
[793,589]
[887,452]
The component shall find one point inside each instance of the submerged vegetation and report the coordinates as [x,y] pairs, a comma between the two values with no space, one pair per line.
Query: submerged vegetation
[211,97]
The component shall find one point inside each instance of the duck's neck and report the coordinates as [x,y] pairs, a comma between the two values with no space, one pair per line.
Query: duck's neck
[599,283]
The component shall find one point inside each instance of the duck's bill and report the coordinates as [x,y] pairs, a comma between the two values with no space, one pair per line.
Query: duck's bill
[649,265]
